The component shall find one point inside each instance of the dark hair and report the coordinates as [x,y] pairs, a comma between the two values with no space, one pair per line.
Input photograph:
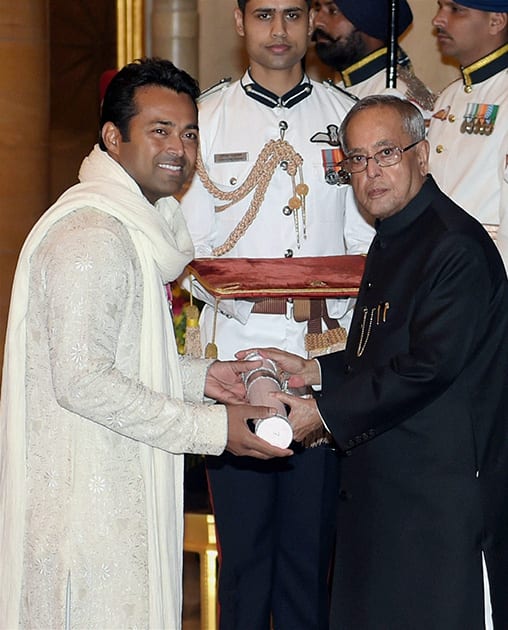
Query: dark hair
[119,104]
[413,122]
[242,3]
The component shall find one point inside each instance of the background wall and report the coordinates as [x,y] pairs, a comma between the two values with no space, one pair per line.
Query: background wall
[82,45]
[421,45]
[24,118]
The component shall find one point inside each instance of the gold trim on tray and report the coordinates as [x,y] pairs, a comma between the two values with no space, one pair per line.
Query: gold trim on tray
[318,277]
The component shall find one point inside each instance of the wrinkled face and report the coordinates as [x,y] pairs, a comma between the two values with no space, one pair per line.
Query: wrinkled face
[160,152]
[382,192]
[463,33]
[338,43]
[276,32]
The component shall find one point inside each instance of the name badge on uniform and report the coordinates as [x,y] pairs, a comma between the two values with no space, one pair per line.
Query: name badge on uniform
[228,158]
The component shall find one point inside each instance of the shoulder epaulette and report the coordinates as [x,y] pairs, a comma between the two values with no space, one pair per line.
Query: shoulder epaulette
[330,83]
[225,82]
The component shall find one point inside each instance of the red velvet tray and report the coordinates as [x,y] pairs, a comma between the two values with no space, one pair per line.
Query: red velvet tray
[310,277]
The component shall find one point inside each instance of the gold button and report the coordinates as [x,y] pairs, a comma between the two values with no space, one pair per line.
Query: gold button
[233,181]
[439,148]
[451,117]
[468,89]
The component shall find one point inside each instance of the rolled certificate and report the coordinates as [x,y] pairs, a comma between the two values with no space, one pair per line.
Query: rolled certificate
[259,383]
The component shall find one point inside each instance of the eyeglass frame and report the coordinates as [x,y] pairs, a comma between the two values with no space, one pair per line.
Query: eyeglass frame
[399,151]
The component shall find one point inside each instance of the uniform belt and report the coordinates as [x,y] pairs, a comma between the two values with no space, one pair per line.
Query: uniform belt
[271,306]
[301,307]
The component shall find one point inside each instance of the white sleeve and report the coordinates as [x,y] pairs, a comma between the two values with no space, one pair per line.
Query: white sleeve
[87,303]
[358,232]
[502,232]
[198,207]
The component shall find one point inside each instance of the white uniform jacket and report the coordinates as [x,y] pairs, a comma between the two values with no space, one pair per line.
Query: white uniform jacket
[234,128]
[468,134]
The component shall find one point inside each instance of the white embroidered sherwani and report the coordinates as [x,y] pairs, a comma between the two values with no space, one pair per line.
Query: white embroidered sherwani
[93,421]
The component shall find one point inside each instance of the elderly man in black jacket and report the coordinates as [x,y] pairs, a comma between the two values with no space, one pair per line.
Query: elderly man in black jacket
[418,401]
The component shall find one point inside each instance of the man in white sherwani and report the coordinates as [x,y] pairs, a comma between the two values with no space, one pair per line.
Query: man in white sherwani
[97,407]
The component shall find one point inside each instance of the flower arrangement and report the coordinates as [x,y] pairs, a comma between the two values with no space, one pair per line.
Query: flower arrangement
[180,298]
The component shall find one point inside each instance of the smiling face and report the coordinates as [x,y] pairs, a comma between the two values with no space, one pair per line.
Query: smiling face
[382,192]
[276,33]
[467,34]
[160,150]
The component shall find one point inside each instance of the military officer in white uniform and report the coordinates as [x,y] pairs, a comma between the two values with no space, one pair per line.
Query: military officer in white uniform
[351,38]
[268,143]
[237,120]
[468,132]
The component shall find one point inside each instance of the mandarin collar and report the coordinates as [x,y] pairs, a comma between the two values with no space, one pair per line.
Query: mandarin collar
[365,68]
[395,224]
[484,68]
[268,98]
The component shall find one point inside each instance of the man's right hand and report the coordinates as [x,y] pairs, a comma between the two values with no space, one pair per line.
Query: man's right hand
[242,441]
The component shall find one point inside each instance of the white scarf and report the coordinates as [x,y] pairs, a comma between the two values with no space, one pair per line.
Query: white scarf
[164,247]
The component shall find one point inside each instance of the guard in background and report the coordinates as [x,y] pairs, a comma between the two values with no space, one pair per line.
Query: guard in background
[351,37]
[468,132]
[267,143]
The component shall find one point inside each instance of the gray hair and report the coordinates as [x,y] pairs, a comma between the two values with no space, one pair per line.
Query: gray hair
[411,118]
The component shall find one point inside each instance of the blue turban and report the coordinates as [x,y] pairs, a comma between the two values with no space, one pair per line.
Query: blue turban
[500,6]
[372,16]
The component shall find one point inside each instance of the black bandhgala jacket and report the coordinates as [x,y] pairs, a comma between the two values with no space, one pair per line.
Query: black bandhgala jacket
[418,403]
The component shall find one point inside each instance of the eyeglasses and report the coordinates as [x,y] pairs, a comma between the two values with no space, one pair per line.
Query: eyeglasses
[389,156]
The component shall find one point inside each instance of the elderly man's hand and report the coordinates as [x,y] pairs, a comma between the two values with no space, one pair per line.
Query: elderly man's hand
[304,415]
[297,371]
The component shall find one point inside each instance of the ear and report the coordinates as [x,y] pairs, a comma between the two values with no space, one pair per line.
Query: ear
[111,137]
[422,152]
[239,22]
[498,22]
[312,17]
